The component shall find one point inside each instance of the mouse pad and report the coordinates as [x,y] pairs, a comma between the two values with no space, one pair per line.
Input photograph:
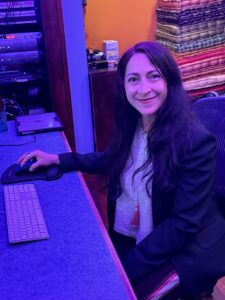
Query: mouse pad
[48,173]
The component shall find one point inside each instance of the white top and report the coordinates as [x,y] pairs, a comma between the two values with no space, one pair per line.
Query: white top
[135,192]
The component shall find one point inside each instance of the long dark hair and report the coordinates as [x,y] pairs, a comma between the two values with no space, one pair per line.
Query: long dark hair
[170,127]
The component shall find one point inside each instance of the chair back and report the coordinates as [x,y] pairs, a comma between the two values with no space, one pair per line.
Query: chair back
[211,112]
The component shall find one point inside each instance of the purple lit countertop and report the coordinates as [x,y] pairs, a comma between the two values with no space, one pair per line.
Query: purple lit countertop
[78,260]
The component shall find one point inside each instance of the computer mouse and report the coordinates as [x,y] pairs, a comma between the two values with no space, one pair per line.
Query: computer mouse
[20,170]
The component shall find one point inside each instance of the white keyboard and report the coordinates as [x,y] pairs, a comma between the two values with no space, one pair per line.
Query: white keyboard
[25,219]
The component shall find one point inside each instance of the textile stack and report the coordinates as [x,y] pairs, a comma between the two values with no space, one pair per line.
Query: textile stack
[194,32]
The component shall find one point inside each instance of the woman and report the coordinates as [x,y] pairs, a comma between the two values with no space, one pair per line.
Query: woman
[163,219]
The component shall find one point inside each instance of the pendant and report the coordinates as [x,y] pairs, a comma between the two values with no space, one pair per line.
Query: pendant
[136,216]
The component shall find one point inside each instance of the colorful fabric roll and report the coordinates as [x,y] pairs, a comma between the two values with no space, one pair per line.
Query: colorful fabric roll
[191,36]
[191,16]
[196,94]
[194,32]
[199,74]
[182,30]
[194,45]
[180,5]
[204,82]
[192,56]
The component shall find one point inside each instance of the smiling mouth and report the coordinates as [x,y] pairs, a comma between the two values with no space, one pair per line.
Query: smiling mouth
[147,99]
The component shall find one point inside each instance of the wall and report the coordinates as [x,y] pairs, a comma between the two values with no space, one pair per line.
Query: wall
[128,21]
[78,74]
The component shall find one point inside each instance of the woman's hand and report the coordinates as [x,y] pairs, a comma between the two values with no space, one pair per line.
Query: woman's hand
[43,159]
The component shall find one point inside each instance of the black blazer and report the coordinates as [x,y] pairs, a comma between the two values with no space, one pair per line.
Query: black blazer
[188,229]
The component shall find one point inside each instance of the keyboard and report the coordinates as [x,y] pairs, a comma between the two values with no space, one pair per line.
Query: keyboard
[25,220]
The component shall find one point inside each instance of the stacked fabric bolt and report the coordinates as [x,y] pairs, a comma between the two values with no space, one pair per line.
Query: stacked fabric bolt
[194,31]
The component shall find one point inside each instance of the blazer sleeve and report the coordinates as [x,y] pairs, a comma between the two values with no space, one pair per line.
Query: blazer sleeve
[92,163]
[192,195]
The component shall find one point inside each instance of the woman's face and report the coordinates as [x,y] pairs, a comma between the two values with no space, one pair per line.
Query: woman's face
[145,87]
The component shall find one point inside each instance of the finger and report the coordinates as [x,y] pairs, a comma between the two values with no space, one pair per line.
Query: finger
[34,166]
[23,161]
[21,158]
[27,156]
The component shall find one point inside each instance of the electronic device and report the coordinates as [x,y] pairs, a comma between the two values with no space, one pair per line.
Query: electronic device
[16,4]
[17,19]
[17,77]
[19,58]
[38,123]
[101,64]
[17,12]
[15,42]
[25,220]
[25,168]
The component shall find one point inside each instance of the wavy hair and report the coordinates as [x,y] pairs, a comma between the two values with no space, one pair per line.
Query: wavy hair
[169,129]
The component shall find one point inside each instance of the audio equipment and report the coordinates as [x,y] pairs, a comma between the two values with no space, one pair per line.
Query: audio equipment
[16,42]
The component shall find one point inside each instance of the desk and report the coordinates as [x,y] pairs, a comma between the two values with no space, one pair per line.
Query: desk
[78,260]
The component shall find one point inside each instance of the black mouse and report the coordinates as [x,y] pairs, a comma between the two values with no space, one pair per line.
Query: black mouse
[20,170]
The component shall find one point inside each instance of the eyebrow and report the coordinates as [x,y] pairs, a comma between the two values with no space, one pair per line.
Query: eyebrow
[135,73]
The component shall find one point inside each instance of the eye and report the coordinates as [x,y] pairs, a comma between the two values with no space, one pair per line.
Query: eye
[132,79]
[154,76]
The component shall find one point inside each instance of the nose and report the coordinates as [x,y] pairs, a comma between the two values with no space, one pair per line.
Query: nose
[145,86]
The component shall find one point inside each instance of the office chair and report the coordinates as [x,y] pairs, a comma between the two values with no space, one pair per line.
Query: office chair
[211,112]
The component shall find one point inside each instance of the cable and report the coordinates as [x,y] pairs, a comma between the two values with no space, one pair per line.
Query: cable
[12,106]
[21,144]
